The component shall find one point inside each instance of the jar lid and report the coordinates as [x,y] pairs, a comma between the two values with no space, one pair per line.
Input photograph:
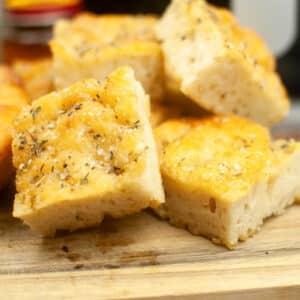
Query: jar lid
[42,13]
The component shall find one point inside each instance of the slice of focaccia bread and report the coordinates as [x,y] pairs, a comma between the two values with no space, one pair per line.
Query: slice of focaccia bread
[246,37]
[36,75]
[224,68]
[12,98]
[85,152]
[93,46]
[223,176]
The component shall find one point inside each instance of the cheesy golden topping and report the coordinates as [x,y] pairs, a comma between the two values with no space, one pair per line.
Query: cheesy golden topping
[83,139]
[221,155]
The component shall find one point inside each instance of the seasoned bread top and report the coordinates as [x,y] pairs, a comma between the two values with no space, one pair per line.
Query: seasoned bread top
[223,156]
[81,35]
[245,38]
[91,46]
[87,139]
[216,29]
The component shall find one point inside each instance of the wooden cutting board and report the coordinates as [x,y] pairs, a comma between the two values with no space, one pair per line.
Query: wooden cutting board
[142,257]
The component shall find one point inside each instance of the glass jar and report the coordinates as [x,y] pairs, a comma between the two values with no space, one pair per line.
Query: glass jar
[28,26]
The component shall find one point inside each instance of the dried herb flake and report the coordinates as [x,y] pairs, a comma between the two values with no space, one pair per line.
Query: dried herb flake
[35,112]
[85,179]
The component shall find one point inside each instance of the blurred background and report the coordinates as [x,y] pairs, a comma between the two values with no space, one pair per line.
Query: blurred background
[26,27]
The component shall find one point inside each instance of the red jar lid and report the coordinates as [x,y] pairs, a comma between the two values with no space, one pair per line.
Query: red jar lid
[32,13]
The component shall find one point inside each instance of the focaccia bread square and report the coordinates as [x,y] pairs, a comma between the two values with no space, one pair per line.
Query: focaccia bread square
[12,99]
[223,176]
[93,46]
[85,152]
[223,67]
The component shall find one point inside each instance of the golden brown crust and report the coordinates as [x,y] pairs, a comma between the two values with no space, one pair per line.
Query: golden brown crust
[225,152]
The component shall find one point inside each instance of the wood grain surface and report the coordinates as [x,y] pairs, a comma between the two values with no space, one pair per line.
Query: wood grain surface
[142,257]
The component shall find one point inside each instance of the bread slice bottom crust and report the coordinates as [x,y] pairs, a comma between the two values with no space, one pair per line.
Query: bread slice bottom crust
[86,212]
